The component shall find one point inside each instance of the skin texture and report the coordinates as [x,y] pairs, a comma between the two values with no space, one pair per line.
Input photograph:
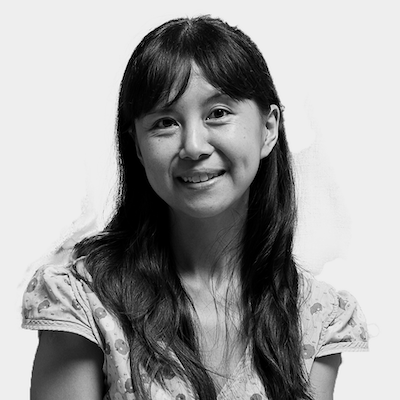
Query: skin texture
[323,376]
[67,367]
[204,132]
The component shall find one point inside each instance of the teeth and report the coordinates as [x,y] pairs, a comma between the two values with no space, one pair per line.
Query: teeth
[203,177]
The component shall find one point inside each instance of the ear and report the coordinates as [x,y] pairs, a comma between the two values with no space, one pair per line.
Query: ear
[271,128]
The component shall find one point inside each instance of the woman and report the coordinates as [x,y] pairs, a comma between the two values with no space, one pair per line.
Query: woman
[191,291]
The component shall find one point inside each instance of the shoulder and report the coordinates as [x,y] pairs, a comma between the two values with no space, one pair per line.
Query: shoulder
[57,283]
[317,297]
[50,283]
[58,298]
[332,320]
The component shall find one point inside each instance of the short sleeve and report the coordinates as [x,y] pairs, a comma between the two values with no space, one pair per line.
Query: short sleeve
[332,321]
[55,300]
[345,328]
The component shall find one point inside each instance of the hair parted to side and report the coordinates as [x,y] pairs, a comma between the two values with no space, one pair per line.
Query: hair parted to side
[131,262]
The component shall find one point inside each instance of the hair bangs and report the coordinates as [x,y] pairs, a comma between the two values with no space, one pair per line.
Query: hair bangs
[163,63]
[161,76]
[230,61]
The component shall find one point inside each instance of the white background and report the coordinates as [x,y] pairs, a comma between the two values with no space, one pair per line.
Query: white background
[336,67]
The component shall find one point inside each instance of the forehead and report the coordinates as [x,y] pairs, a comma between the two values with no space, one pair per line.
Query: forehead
[196,82]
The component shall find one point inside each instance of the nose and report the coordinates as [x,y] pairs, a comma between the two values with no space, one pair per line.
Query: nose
[195,143]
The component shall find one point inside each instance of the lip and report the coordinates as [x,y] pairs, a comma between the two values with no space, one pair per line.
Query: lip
[199,176]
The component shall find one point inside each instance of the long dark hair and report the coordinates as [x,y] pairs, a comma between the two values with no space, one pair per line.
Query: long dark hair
[131,261]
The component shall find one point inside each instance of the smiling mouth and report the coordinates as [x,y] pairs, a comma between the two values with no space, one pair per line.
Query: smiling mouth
[201,177]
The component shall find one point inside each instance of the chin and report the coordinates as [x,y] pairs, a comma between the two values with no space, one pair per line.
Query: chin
[210,212]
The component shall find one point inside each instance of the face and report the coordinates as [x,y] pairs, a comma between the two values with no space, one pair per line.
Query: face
[201,153]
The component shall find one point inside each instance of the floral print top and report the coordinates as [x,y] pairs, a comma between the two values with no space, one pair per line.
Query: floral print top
[56,300]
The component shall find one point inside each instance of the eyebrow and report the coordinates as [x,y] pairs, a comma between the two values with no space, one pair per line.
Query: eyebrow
[218,96]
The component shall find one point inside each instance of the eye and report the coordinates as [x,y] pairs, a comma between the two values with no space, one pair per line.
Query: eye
[218,113]
[165,123]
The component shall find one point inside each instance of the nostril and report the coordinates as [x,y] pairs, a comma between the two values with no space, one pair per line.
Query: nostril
[195,146]
[183,154]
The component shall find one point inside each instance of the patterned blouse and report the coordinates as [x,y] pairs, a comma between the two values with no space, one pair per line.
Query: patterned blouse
[56,300]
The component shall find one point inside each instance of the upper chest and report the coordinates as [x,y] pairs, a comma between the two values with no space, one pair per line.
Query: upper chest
[221,344]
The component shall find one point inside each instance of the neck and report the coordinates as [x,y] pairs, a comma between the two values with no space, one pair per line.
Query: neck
[206,249]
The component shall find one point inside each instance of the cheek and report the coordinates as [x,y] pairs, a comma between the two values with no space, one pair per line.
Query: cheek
[154,169]
[157,166]
[151,157]
[246,161]
[246,152]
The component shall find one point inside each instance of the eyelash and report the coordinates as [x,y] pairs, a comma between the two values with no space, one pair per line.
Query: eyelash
[172,122]
[224,111]
[158,125]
